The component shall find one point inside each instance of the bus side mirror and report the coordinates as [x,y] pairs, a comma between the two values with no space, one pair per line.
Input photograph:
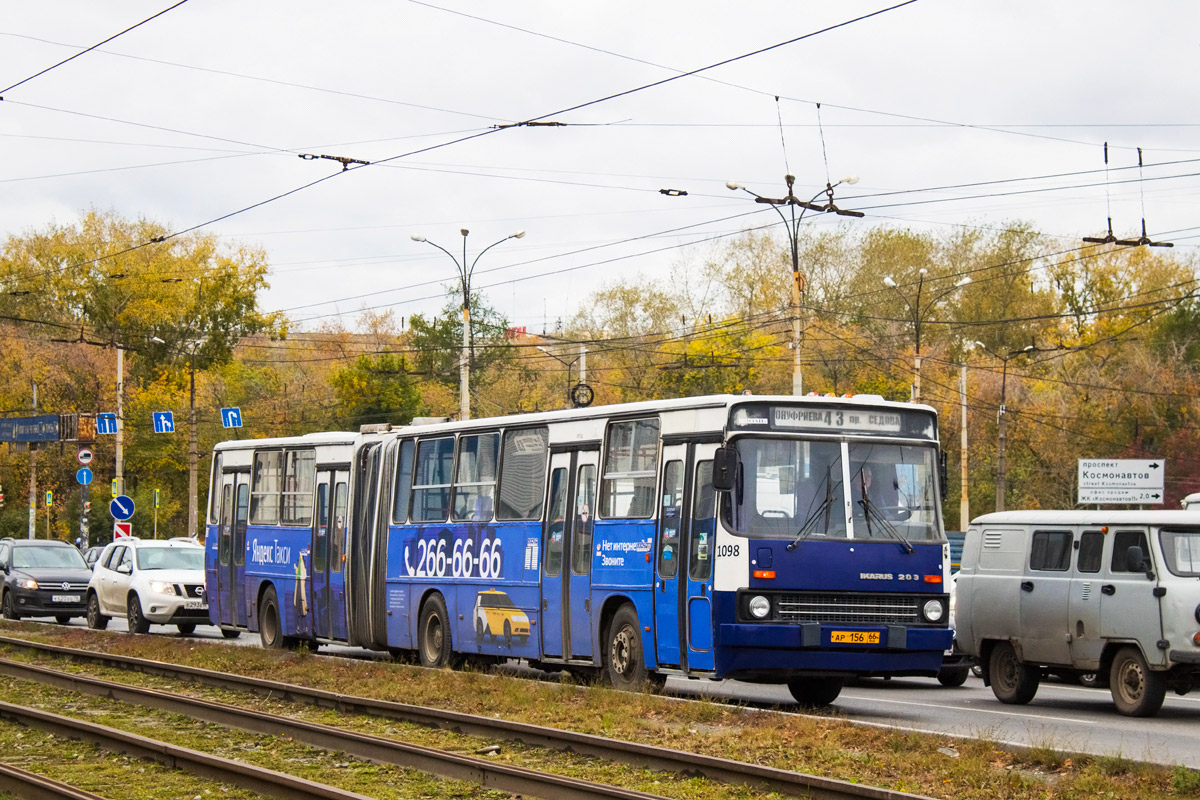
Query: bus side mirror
[944,474]
[724,476]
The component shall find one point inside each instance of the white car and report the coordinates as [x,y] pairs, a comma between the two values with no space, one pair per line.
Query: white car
[149,581]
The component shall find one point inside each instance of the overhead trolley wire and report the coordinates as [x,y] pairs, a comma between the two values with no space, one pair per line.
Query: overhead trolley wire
[89,49]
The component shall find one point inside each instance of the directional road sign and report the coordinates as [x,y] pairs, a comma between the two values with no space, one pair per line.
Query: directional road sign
[84,456]
[84,476]
[164,422]
[121,508]
[231,417]
[106,423]
[122,529]
[1121,480]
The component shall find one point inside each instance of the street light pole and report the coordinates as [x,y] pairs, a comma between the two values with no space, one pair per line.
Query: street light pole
[918,314]
[791,223]
[464,275]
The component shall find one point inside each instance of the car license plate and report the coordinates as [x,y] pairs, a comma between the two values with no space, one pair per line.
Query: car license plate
[64,598]
[854,637]
[195,605]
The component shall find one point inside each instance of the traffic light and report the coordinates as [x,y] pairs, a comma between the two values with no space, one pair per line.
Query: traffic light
[87,506]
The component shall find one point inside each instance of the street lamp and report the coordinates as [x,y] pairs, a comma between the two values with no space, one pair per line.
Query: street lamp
[464,275]
[792,225]
[580,394]
[1002,419]
[918,314]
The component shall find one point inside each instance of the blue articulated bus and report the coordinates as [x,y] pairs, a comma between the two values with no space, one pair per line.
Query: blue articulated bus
[791,540]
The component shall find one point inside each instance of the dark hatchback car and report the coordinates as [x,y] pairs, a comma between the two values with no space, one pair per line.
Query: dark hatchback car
[42,579]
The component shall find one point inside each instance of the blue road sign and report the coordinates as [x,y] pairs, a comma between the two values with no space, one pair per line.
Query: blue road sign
[121,508]
[106,423]
[164,422]
[84,476]
[231,417]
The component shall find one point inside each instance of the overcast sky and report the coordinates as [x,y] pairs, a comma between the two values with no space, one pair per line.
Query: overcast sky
[204,110]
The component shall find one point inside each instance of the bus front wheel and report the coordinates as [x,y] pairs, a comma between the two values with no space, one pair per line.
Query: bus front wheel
[624,662]
[434,645]
[815,692]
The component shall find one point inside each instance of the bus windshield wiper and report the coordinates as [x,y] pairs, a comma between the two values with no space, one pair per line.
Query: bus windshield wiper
[871,512]
[810,521]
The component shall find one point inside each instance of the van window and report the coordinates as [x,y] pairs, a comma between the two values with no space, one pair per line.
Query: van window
[1051,551]
[1091,551]
[1122,541]
[1181,549]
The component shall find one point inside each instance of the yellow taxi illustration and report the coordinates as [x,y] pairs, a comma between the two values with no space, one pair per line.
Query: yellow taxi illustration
[495,615]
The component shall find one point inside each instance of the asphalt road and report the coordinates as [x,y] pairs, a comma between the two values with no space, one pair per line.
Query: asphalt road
[1061,717]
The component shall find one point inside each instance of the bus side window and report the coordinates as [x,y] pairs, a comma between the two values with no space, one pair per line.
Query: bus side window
[585,501]
[339,526]
[704,522]
[556,522]
[670,519]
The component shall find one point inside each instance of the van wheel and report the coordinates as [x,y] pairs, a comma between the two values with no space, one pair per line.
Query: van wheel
[270,627]
[1012,682]
[434,643]
[230,633]
[186,628]
[815,692]
[1137,690]
[623,661]
[62,619]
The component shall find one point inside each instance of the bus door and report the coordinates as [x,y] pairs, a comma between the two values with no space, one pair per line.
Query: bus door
[683,558]
[567,555]
[231,548]
[318,561]
[339,509]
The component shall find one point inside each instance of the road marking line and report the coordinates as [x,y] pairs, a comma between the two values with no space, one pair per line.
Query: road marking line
[873,699]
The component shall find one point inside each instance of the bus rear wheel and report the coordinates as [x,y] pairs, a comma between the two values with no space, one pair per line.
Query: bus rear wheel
[815,692]
[623,662]
[434,645]
[270,626]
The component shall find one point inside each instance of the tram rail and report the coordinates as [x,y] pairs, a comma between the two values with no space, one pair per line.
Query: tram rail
[619,751]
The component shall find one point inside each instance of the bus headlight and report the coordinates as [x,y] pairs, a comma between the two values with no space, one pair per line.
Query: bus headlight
[1197,613]
[933,610]
[759,607]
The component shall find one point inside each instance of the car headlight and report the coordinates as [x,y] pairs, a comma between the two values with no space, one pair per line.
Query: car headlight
[162,587]
[933,610]
[759,606]
[26,583]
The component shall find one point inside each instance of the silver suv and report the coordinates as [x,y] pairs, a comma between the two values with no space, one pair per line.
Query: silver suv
[149,581]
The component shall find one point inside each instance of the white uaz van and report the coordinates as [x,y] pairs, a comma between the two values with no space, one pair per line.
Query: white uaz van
[1110,592]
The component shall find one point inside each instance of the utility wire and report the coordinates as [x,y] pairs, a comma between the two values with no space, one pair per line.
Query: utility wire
[93,47]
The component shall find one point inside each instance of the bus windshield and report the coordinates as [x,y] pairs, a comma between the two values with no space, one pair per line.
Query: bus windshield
[820,489]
